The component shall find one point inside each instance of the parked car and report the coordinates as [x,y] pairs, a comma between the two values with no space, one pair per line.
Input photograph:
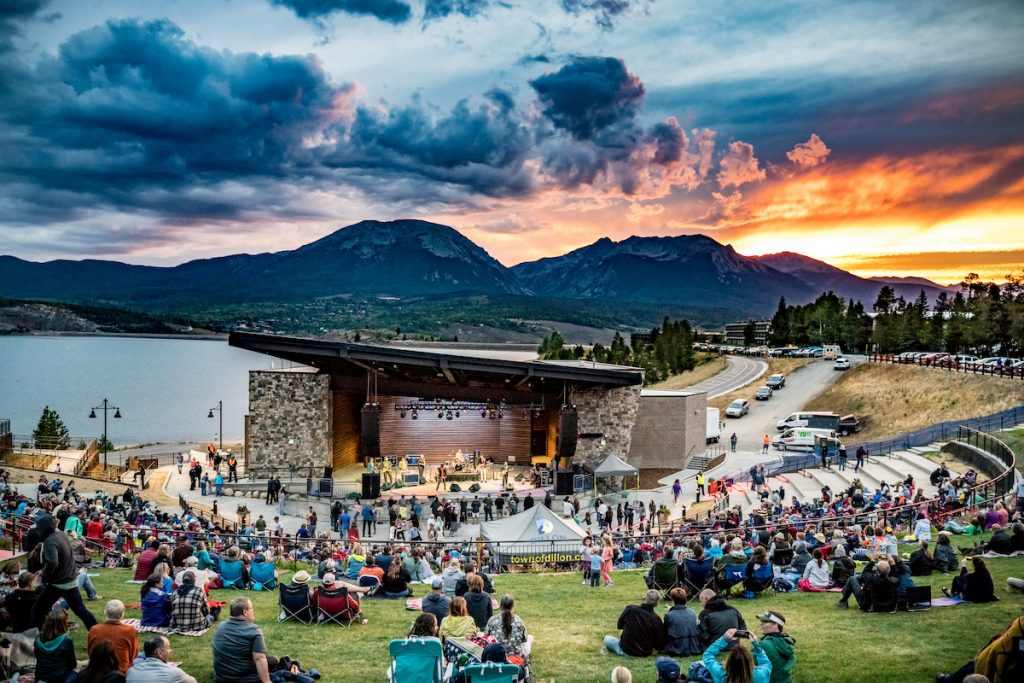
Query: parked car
[763,393]
[776,381]
[842,364]
[738,408]
[848,424]
[801,438]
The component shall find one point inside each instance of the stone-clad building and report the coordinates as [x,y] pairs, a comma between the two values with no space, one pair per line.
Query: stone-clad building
[348,403]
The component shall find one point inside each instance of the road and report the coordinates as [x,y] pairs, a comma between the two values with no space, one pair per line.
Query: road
[801,385]
[741,371]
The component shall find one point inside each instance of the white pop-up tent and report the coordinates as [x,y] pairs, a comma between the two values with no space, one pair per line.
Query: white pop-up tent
[534,535]
[614,466]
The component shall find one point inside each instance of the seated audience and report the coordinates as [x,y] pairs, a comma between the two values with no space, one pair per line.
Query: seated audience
[425,626]
[239,650]
[816,574]
[436,602]
[997,661]
[478,603]
[509,630]
[395,583]
[371,569]
[800,559]
[155,666]
[55,653]
[757,561]
[190,610]
[1000,543]
[299,599]
[973,586]
[451,576]
[716,617]
[122,638]
[458,623]
[681,636]
[842,567]
[18,605]
[875,589]
[920,562]
[642,631]
[323,598]
[945,559]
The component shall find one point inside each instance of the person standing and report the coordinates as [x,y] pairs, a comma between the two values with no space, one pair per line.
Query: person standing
[842,459]
[270,491]
[504,477]
[368,520]
[765,443]
[181,462]
[733,440]
[232,467]
[441,475]
[824,454]
[59,574]
[677,488]
[239,650]
[862,454]
[700,484]
[607,557]
[218,484]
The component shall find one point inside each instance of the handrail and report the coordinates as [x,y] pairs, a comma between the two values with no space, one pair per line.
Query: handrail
[943,364]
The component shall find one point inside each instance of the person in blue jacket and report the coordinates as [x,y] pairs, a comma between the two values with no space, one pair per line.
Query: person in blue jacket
[740,666]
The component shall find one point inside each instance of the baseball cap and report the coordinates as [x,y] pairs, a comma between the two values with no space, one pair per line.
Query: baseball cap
[773,617]
[668,669]
[436,583]
[328,579]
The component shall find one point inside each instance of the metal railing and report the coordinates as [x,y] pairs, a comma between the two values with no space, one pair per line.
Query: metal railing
[949,365]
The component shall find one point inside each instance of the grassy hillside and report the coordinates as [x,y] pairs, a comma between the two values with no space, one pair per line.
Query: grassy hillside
[709,365]
[901,398]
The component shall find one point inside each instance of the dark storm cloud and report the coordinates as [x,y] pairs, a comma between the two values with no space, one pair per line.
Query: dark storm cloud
[391,11]
[12,14]
[589,95]
[439,9]
[605,11]
[130,110]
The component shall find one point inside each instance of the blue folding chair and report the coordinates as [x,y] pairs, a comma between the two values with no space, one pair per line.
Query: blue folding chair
[761,579]
[731,575]
[231,574]
[415,660]
[263,576]
[700,574]
[491,672]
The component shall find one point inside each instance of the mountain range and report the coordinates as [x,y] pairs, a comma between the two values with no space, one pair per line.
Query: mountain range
[412,258]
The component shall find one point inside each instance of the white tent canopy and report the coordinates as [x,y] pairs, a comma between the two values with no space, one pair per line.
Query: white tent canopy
[613,466]
[532,533]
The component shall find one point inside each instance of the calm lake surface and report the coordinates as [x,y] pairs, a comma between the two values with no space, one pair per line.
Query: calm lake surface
[164,387]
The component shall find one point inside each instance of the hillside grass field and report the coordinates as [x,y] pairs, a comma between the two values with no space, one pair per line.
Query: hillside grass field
[568,621]
[708,365]
[902,398]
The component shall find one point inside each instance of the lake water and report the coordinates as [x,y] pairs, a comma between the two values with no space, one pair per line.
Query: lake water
[164,387]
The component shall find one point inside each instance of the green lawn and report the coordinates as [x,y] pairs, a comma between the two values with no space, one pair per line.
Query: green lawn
[568,621]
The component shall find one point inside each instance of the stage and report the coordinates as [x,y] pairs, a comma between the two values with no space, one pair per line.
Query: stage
[490,487]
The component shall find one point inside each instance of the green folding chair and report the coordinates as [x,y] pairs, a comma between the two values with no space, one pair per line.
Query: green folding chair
[415,660]
[491,672]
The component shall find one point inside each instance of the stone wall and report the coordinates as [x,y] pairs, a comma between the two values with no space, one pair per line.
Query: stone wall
[290,414]
[670,430]
[609,412]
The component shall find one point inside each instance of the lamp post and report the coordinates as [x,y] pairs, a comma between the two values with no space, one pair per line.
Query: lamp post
[219,409]
[106,408]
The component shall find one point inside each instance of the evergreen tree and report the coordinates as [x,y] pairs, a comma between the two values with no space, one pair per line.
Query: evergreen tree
[51,432]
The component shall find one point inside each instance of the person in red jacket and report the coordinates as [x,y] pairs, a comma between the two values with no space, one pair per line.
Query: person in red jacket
[144,567]
[95,528]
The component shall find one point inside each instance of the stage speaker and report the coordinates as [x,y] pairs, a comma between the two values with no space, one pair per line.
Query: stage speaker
[455,488]
[371,485]
[567,432]
[563,483]
[474,488]
[328,472]
[369,435]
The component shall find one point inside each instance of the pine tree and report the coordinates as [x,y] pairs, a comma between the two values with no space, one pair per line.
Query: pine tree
[51,432]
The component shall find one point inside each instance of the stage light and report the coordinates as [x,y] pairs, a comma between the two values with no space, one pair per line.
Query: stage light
[483,414]
[402,414]
[494,415]
[501,414]
[440,415]
[449,415]
[456,413]
[415,415]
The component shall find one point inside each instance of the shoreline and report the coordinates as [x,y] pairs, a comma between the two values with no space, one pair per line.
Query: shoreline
[215,336]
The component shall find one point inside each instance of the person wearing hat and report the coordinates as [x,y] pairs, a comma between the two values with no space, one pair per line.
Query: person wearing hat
[668,670]
[190,609]
[331,588]
[778,646]
[436,602]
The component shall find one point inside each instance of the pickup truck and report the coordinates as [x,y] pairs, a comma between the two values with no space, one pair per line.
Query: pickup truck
[848,424]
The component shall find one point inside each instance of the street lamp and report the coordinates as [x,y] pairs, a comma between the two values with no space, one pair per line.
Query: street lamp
[219,409]
[106,407]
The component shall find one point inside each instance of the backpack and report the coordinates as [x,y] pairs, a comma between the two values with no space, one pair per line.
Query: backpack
[782,585]
[698,673]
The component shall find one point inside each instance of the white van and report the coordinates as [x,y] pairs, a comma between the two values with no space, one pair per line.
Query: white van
[831,351]
[801,438]
[807,419]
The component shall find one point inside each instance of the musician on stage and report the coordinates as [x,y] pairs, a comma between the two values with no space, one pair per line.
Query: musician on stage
[504,475]
[442,473]
[385,472]
[403,468]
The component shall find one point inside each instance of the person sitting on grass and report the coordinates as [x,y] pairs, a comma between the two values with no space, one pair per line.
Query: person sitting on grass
[801,558]
[371,569]
[1000,543]
[921,562]
[642,631]
[973,586]
[740,666]
[875,589]
[478,603]
[716,617]
[816,574]
[190,610]
[945,559]
[16,616]
[55,653]
[156,604]
[778,646]
[451,576]
[458,623]
[121,638]
[435,602]
[681,636]
[510,631]
[995,662]
[395,583]
[155,666]
[103,664]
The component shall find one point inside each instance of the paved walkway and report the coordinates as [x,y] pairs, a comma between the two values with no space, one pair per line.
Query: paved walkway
[740,372]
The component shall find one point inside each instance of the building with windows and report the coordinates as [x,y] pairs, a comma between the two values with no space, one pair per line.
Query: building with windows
[734,332]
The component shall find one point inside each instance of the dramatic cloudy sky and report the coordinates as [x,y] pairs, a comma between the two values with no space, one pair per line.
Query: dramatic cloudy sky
[882,137]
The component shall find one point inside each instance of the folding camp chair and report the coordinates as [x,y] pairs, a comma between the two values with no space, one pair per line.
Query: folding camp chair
[336,606]
[295,604]
[231,574]
[729,576]
[700,574]
[491,672]
[415,660]
[665,575]
[761,579]
[782,558]
[263,576]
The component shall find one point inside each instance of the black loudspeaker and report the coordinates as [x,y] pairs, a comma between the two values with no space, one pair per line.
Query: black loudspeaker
[474,488]
[567,432]
[371,485]
[563,484]
[455,488]
[538,443]
[369,434]
[328,472]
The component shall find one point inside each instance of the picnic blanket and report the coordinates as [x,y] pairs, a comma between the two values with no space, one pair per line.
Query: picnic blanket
[416,604]
[991,555]
[212,603]
[137,625]
[947,602]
